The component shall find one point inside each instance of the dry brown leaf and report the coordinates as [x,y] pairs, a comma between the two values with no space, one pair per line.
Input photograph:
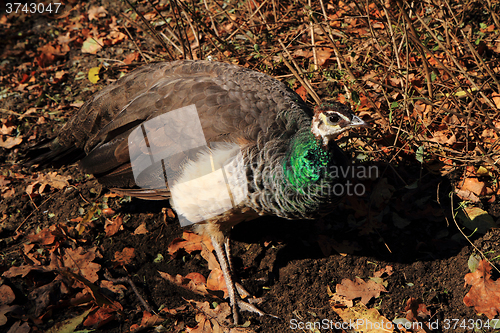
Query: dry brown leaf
[302,92]
[141,230]
[24,270]
[190,242]
[196,277]
[484,295]
[337,300]
[444,137]
[216,282]
[44,237]
[4,180]
[467,196]
[97,12]
[116,288]
[7,128]
[80,261]
[131,57]
[92,45]
[125,257]
[416,311]
[111,227]
[148,320]
[473,185]
[359,288]
[323,55]
[361,319]
[100,317]
[184,282]
[10,142]
[214,320]
[386,270]
[6,295]
[210,258]
[51,179]
[496,100]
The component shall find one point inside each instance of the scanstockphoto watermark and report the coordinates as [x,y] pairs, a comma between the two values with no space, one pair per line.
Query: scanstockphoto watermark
[358,325]
[363,325]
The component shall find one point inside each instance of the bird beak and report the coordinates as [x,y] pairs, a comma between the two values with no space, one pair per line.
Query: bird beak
[358,122]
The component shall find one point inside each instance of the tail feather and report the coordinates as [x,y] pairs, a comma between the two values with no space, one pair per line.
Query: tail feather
[50,153]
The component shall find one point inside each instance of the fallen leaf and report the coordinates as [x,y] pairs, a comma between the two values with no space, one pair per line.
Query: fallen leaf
[130,58]
[416,311]
[10,142]
[360,289]
[94,74]
[125,256]
[141,230]
[484,295]
[100,317]
[214,320]
[473,185]
[361,319]
[80,261]
[97,12]
[111,227]
[6,295]
[476,219]
[186,283]
[190,242]
[386,270]
[302,92]
[115,288]
[92,45]
[148,320]
[496,100]
[323,55]
[51,179]
[216,282]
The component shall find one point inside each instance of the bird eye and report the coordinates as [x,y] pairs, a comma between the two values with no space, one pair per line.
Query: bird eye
[333,118]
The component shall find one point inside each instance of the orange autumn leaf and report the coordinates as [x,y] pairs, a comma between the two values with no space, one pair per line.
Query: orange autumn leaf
[216,281]
[473,185]
[302,92]
[196,277]
[111,227]
[484,295]
[125,257]
[360,289]
[186,283]
[190,242]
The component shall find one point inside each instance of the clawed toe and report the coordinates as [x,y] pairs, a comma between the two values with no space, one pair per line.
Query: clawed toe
[244,306]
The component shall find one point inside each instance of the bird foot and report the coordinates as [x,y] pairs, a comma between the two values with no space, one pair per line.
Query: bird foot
[246,303]
[244,306]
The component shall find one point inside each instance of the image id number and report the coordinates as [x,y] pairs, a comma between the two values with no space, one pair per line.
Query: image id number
[32,8]
[470,323]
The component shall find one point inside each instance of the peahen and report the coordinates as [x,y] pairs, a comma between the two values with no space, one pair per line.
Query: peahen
[241,145]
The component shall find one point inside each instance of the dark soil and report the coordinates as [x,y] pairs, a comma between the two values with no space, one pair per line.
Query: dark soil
[290,263]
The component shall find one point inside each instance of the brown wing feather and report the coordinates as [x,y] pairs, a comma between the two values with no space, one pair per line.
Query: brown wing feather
[233,104]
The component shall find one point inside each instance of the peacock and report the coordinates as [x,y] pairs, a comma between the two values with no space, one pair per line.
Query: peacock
[223,143]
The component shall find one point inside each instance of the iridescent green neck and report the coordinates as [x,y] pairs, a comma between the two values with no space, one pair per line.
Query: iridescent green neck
[306,163]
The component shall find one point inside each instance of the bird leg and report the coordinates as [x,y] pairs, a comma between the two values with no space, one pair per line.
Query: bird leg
[227,247]
[224,257]
[227,277]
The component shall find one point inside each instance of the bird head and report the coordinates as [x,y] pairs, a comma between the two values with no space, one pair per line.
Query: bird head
[332,119]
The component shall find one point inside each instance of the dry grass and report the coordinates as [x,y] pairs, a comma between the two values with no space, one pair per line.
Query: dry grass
[425,73]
